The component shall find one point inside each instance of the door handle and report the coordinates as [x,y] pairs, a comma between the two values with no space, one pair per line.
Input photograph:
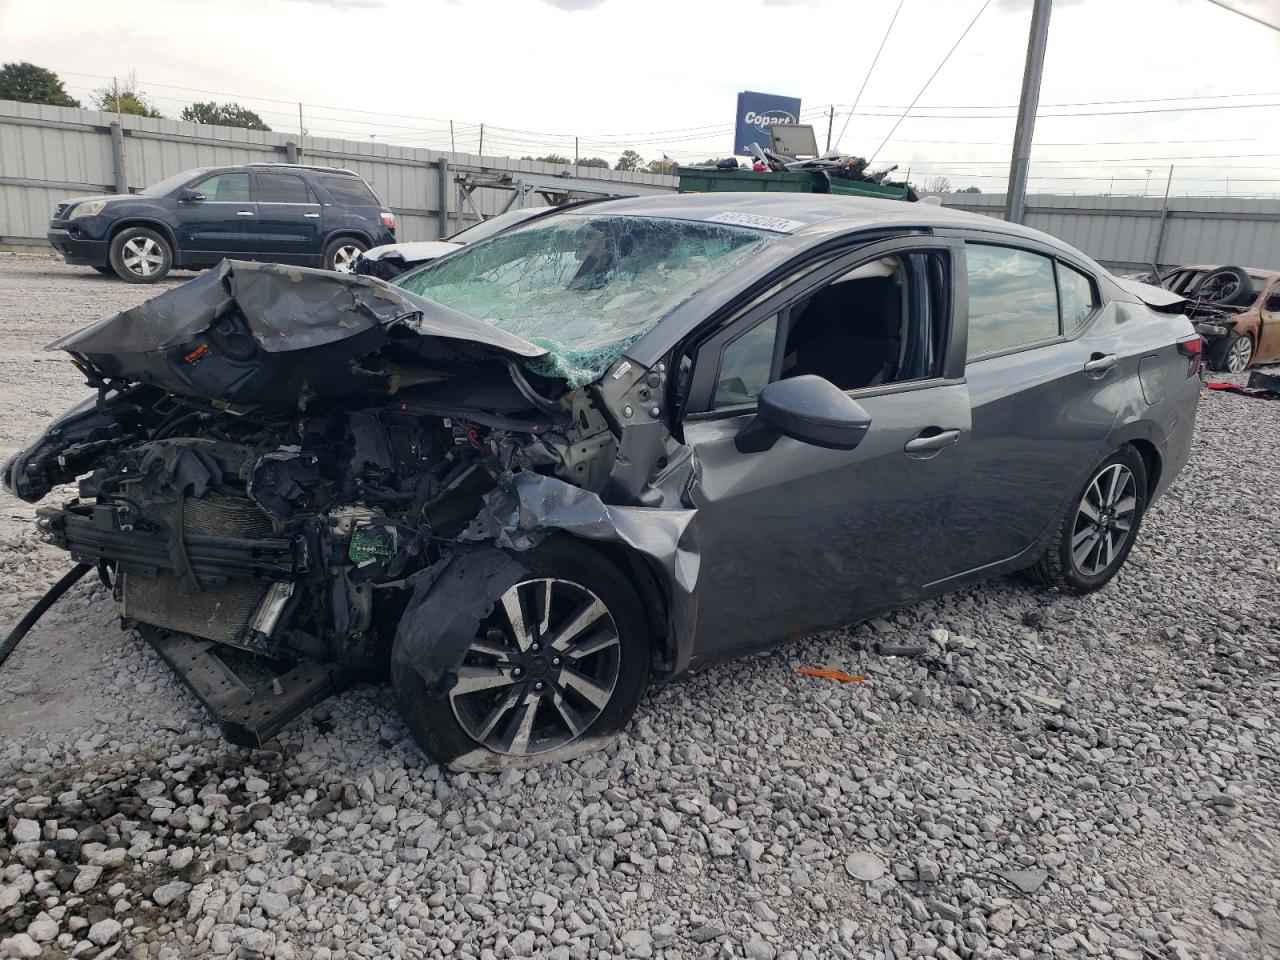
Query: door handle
[244,213]
[1098,365]
[932,442]
[311,215]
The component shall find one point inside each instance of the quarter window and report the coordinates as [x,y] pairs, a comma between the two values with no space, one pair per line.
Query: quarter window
[225,188]
[745,365]
[350,190]
[282,188]
[1012,298]
[1075,290]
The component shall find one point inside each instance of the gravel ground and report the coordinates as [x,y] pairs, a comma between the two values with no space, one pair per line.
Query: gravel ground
[1057,776]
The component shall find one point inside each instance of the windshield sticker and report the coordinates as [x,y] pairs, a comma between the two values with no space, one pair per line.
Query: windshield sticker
[777,224]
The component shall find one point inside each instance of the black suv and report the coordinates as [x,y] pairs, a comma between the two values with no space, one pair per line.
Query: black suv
[284,213]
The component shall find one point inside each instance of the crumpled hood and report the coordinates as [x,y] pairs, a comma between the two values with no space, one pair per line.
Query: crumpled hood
[285,308]
[262,334]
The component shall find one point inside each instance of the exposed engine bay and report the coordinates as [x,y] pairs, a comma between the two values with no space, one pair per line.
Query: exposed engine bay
[269,486]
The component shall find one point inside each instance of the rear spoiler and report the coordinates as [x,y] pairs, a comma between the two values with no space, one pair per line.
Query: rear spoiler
[1157,298]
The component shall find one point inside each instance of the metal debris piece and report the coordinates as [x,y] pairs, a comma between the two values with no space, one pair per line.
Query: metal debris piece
[830,673]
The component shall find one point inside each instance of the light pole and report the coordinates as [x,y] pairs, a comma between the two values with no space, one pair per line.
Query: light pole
[1015,197]
[1146,182]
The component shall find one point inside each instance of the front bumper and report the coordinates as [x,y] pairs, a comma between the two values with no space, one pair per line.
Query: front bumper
[76,248]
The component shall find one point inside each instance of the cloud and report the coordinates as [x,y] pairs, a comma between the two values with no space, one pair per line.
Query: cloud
[572,5]
[343,4]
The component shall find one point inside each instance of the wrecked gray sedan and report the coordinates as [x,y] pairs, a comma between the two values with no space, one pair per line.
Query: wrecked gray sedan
[616,443]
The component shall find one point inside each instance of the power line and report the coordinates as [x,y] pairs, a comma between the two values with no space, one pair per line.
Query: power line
[870,70]
[984,6]
[1246,15]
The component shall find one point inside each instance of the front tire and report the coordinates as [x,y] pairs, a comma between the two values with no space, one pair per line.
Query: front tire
[1232,354]
[139,255]
[558,666]
[1099,528]
[341,254]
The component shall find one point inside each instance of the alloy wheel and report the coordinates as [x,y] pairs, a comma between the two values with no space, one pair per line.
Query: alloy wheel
[344,258]
[541,670]
[1104,519]
[142,256]
[1239,355]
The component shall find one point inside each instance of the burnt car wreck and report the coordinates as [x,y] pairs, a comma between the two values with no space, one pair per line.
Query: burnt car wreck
[538,471]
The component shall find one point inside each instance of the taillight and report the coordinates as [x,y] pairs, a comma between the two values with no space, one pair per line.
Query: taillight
[388,219]
[1193,349]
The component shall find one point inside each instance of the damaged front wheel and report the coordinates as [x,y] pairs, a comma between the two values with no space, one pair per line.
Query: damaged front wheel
[559,664]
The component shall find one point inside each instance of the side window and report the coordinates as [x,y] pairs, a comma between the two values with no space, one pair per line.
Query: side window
[1075,291]
[225,188]
[1013,299]
[350,190]
[884,321]
[282,188]
[745,365]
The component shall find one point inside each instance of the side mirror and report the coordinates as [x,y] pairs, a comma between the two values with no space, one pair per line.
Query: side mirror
[809,409]
[190,196]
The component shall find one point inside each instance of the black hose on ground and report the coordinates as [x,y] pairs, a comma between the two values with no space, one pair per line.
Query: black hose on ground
[42,605]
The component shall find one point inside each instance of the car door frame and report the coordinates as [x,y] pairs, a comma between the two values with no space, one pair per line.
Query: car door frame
[718,331]
[996,238]
[307,249]
[239,242]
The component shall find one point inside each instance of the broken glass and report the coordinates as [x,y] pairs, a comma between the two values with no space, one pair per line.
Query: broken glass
[585,287]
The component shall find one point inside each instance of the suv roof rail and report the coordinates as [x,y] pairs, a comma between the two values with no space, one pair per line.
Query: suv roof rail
[304,166]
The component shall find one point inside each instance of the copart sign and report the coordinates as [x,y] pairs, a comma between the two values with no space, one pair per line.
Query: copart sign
[756,112]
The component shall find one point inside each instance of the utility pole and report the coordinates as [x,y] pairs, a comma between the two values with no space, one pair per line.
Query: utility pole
[831,115]
[481,149]
[452,148]
[301,132]
[1016,196]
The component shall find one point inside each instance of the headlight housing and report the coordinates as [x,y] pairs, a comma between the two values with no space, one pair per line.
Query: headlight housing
[90,208]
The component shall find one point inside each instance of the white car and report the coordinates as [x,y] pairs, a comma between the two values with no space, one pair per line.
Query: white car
[390,260]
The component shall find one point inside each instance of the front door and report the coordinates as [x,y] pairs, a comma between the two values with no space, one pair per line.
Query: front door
[1268,346]
[288,221]
[220,225]
[797,537]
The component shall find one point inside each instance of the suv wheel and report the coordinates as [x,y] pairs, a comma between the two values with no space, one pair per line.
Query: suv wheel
[139,255]
[1099,528]
[560,664]
[342,254]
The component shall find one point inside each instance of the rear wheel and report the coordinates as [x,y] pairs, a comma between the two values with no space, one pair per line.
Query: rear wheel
[342,254]
[1099,529]
[1232,354]
[560,663]
[139,255]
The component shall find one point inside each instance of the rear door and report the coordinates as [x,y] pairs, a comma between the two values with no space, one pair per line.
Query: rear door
[223,224]
[1046,375]
[799,537]
[289,219]
[1268,347]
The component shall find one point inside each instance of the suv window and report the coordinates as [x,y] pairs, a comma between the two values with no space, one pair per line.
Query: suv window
[350,190]
[1013,299]
[282,188]
[1075,291]
[881,322]
[225,188]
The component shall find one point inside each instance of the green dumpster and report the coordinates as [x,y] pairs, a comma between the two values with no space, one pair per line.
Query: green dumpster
[713,180]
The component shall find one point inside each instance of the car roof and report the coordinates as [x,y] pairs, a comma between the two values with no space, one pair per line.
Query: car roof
[814,213]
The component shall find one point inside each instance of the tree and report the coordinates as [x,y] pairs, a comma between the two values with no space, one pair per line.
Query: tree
[600,162]
[28,83]
[660,166]
[549,158]
[630,160]
[125,98]
[223,115]
[969,190]
[938,185]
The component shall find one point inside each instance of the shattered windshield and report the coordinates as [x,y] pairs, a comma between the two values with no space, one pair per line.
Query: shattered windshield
[582,286]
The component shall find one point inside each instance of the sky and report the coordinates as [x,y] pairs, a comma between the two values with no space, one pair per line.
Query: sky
[661,77]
